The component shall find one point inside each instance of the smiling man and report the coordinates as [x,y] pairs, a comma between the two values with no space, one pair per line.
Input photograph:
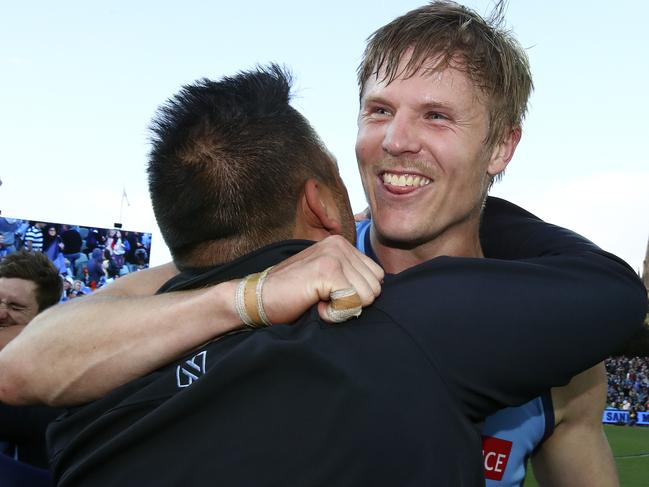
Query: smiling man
[424,163]
[443,95]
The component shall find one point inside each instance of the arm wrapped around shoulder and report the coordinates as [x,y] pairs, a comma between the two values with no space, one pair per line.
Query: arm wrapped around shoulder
[544,305]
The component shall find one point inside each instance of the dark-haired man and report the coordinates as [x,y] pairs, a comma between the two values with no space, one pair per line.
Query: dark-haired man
[390,399]
[29,284]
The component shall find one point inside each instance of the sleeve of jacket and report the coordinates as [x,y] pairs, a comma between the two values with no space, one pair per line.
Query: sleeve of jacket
[502,331]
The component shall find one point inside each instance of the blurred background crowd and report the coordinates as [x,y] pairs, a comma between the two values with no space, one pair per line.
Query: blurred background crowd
[628,384]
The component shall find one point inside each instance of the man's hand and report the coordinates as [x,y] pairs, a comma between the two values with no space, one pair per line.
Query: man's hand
[312,275]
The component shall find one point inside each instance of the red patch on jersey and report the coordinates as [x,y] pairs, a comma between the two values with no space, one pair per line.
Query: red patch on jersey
[495,453]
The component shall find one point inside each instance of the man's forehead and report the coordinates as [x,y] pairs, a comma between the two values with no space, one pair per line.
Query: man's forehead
[16,290]
[436,85]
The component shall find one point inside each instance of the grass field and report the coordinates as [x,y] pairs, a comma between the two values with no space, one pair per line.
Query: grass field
[631,450]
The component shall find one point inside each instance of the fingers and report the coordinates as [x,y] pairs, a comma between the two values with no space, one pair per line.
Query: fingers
[312,275]
[363,273]
[360,277]
[343,305]
[341,266]
[351,280]
[370,270]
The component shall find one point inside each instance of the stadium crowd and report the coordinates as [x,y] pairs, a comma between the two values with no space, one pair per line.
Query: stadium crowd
[628,384]
[87,257]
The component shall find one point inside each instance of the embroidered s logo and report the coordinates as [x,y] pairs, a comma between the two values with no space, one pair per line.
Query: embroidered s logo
[191,370]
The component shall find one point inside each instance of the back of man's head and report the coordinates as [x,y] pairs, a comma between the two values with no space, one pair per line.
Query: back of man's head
[451,34]
[35,267]
[228,163]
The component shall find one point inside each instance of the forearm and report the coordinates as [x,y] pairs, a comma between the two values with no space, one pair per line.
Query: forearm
[577,454]
[89,346]
[583,460]
[76,352]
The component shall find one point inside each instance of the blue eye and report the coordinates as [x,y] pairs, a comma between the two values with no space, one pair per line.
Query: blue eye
[435,116]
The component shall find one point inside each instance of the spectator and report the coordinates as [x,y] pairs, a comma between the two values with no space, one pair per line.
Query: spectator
[72,242]
[95,240]
[133,239]
[118,249]
[53,248]
[141,259]
[67,288]
[8,229]
[29,283]
[34,237]
[77,289]
[95,268]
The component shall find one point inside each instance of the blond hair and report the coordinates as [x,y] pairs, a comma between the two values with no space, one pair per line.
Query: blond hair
[453,35]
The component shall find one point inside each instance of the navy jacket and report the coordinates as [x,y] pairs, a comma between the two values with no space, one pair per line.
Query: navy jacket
[391,398]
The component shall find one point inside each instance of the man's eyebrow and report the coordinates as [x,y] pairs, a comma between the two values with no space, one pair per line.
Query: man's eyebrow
[12,301]
[426,105]
[376,99]
[438,105]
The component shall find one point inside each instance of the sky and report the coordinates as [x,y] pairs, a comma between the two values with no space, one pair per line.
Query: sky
[81,81]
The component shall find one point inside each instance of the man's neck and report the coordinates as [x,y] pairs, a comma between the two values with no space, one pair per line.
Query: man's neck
[460,241]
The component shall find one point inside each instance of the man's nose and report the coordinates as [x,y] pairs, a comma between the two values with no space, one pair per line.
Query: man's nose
[401,137]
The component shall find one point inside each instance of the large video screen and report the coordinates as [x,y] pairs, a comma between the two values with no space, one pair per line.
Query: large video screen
[86,257]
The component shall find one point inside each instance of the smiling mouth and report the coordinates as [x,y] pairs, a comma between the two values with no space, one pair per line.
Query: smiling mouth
[404,180]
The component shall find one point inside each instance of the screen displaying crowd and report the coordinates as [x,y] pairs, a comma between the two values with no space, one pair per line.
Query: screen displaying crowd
[87,257]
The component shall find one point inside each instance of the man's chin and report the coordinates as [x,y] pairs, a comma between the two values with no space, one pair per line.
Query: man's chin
[399,237]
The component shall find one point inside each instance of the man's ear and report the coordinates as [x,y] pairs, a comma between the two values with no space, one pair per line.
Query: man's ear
[317,213]
[503,152]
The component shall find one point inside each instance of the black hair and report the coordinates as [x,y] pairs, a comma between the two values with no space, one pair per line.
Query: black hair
[229,159]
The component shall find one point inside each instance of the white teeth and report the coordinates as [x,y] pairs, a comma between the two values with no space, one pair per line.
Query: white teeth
[404,180]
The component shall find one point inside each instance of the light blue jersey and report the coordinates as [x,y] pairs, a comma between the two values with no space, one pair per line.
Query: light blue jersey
[511,435]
